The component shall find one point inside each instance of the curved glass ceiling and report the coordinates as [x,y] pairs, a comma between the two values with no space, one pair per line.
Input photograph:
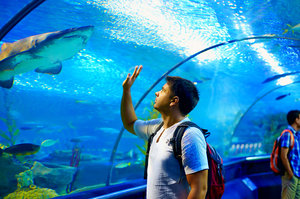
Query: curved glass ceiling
[246,87]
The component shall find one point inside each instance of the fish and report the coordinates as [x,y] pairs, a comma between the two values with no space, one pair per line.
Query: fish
[123,165]
[83,102]
[43,53]
[21,149]
[201,80]
[108,130]
[292,28]
[282,96]
[294,46]
[70,124]
[82,138]
[275,77]
[26,128]
[49,142]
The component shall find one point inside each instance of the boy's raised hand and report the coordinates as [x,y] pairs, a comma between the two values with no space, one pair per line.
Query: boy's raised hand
[130,79]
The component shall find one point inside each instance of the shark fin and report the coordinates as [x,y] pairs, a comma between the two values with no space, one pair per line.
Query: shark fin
[53,70]
[7,83]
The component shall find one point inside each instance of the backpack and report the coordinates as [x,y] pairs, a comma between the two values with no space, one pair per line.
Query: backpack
[216,183]
[275,161]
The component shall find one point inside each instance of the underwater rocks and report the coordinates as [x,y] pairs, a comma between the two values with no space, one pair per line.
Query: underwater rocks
[18,180]
[9,169]
[55,177]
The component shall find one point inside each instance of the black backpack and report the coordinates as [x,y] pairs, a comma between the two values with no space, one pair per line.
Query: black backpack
[216,183]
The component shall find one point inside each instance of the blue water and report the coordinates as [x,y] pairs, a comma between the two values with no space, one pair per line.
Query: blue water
[84,99]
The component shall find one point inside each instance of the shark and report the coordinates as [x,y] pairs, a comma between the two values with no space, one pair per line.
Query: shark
[42,53]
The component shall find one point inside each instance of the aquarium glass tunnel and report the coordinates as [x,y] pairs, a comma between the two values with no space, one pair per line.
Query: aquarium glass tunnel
[60,91]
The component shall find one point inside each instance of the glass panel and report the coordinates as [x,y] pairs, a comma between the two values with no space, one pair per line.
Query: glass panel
[73,119]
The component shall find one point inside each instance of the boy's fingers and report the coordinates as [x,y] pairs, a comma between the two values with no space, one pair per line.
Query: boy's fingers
[137,71]
[127,78]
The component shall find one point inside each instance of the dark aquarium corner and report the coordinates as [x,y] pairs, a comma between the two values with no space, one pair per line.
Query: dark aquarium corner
[63,62]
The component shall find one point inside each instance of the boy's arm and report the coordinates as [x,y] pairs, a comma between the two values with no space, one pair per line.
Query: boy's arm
[127,110]
[285,161]
[198,184]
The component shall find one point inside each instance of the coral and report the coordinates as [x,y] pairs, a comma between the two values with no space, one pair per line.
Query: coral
[143,149]
[32,193]
[25,179]
[11,133]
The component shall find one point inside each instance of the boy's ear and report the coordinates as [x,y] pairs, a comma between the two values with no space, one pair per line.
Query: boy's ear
[174,100]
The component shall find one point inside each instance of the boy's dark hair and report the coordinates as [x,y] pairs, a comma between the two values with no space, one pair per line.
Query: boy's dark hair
[186,91]
[292,115]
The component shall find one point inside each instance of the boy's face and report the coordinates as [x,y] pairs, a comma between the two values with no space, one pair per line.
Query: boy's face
[298,121]
[163,98]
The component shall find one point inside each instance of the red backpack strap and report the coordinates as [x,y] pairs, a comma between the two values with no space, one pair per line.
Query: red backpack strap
[292,138]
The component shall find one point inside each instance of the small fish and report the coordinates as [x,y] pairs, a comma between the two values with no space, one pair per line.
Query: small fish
[48,142]
[282,96]
[294,46]
[123,165]
[297,100]
[26,128]
[269,35]
[83,102]
[201,80]
[82,138]
[292,28]
[279,76]
[70,124]
[21,149]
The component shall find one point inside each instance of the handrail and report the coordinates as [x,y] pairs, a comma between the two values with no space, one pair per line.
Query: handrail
[123,193]
[19,16]
[246,159]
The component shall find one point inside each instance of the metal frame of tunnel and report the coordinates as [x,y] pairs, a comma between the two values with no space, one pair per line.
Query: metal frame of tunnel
[19,16]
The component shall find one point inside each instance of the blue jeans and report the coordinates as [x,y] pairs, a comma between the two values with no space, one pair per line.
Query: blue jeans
[290,188]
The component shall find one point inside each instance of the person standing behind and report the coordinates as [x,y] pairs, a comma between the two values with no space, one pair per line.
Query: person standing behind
[174,101]
[291,158]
